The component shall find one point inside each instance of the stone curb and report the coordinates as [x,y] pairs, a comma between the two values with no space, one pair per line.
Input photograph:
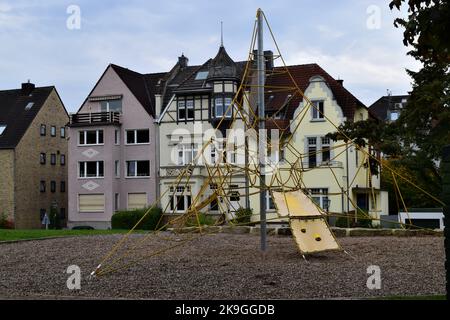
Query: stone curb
[338,232]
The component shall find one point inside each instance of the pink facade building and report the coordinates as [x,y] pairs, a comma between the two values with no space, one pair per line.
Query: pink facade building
[113,163]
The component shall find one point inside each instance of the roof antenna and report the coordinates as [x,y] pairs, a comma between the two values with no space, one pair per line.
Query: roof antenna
[221,33]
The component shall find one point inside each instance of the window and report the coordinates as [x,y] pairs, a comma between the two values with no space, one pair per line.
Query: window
[53,159]
[270,205]
[181,110]
[43,130]
[186,153]
[53,131]
[91,169]
[116,202]
[62,159]
[202,75]
[137,201]
[43,158]
[320,197]
[317,110]
[233,152]
[117,168]
[326,155]
[91,202]
[185,109]
[227,109]
[138,168]
[111,106]
[213,154]
[62,213]
[219,107]
[312,152]
[180,200]
[116,137]
[2,128]
[91,137]
[62,132]
[138,136]
[190,109]
[63,186]
[53,186]
[29,105]
[42,214]
[42,186]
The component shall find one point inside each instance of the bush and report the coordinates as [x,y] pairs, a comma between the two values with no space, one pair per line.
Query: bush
[243,216]
[128,219]
[5,223]
[203,219]
[364,221]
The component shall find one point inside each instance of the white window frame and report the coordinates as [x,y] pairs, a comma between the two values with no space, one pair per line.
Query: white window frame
[190,105]
[97,176]
[135,137]
[181,104]
[184,151]
[85,144]
[180,191]
[315,114]
[135,169]
[324,194]
[227,107]
[268,198]
[221,104]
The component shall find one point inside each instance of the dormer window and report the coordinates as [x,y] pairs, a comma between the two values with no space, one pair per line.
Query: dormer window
[2,128]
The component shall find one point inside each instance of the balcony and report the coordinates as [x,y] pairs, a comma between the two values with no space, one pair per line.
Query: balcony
[324,164]
[94,119]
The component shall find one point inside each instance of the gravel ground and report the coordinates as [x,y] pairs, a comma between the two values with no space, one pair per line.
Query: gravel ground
[224,266]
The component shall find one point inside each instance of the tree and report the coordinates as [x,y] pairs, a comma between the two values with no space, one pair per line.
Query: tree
[414,142]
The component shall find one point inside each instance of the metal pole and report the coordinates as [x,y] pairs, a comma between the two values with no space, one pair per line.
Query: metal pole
[446,200]
[262,143]
[348,187]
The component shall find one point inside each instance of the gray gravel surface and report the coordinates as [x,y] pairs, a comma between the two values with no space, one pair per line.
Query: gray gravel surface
[223,266]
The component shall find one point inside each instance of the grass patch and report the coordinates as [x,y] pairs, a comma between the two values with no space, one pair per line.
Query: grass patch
[11,235]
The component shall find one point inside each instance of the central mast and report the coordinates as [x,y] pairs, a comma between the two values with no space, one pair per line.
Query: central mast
[262,136]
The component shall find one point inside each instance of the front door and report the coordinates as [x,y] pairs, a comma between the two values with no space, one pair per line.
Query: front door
[362,201]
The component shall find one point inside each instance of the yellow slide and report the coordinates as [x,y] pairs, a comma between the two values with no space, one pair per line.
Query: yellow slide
[307,221]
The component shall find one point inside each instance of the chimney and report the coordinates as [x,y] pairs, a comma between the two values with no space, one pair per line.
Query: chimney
[183,61]
[341,82]
[27,88]
[268,57]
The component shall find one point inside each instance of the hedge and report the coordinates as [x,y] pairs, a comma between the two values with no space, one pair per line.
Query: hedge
[128,219]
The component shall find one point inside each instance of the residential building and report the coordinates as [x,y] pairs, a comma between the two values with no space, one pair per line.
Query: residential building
[388,108]
[33,155]
[113,163]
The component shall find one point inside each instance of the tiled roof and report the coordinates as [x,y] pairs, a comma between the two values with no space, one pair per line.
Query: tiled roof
[381,106]
[302,75]
[138,85]
[14,115]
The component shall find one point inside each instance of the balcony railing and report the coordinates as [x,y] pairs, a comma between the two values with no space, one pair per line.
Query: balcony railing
[333,164]
[95,118]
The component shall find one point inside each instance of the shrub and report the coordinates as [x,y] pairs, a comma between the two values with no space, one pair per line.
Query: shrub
[128,219]
[203,219]
[364,221]
[243,216]
[5,223]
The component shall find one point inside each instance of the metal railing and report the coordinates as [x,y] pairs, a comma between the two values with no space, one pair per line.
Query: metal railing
[95,118]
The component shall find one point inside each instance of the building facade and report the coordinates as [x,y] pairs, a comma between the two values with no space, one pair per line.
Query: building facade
[33,155]
[112,147]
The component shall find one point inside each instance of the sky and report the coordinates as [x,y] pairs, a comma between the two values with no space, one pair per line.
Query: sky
[353,40]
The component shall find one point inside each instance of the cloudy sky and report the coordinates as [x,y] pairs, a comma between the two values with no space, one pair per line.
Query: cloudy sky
[348,38]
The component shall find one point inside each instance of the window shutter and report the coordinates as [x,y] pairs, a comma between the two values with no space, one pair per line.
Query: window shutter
[137,200]
[91,202]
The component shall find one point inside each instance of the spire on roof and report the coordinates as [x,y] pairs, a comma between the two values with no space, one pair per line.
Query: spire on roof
[221,33]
